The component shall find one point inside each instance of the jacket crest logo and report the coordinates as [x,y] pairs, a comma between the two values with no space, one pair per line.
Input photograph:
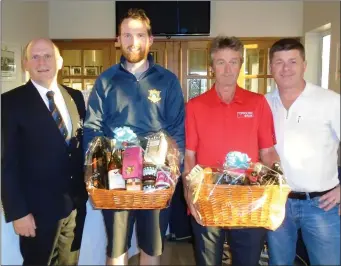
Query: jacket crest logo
[154,95]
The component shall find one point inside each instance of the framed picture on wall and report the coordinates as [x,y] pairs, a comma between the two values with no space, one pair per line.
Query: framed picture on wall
[91,71]
[76,70]
[66,71]
[10,61]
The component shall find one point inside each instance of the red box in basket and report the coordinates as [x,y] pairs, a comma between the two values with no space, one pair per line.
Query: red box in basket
[132,163]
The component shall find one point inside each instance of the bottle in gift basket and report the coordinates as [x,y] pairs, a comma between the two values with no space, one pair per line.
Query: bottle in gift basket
[260,169]
[132,167]
[277,167]
[99,170]
[163,178]
[252,179]
[149,176]
[115,177]
[156,149]
[95,176]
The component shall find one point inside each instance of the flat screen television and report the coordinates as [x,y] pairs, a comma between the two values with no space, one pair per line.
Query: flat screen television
[171,18]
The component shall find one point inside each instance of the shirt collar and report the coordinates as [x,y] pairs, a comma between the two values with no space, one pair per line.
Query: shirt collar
[305,93]
[42,90]
[237,98]
[307,89]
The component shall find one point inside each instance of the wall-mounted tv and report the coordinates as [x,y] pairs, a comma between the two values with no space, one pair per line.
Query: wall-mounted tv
[171,18]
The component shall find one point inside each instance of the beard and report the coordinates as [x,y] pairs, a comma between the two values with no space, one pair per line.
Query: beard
[134,56]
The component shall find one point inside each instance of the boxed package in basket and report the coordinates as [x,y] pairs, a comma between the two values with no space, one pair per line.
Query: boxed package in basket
[132,172]
[240,194]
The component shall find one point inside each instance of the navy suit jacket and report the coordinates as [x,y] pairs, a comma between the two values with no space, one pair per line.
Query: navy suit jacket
[41,174]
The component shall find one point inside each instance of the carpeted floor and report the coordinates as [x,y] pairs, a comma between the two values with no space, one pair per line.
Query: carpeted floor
[181,253]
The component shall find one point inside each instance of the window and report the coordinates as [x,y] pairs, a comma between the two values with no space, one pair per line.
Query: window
[325,60]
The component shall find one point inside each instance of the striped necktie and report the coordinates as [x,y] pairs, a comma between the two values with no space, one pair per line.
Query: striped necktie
[57,116]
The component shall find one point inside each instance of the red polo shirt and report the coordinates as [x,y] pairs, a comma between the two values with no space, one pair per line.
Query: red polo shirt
[214,128]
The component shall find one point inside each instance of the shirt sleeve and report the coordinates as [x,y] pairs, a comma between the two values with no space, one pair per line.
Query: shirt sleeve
[191,128]
[94,118]
[266,128]
[13,199]
[335,114]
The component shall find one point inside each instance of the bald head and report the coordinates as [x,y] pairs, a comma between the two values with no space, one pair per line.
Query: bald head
[43,61]
[40,40]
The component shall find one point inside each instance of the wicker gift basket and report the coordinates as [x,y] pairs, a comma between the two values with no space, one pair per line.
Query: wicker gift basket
[144,175]
[118,199]
[255,197]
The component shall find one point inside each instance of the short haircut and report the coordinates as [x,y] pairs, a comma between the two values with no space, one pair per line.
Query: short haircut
[138,14]
[28,46]
[223,42]
[287,44]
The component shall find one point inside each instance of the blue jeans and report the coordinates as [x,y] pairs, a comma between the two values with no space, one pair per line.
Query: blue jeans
[245,245]
[320,232]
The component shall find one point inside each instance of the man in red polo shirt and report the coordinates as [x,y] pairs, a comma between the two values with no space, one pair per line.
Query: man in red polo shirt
[227,118]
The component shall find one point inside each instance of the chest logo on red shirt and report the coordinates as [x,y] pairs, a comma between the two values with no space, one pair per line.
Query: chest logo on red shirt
[244,114]
[154,95]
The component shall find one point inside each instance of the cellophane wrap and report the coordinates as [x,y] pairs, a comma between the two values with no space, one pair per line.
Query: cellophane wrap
[149,165]
[240,194]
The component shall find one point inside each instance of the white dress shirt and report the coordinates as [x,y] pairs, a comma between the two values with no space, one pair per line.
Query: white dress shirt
[308,137]
[59,101]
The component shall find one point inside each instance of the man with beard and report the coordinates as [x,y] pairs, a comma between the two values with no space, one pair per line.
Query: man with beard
[144,96]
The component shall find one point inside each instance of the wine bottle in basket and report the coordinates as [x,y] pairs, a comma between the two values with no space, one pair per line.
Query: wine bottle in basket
[99,169]
[115,178]
[95,176]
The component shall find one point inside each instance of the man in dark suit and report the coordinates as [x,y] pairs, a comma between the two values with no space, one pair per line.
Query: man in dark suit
[42,187]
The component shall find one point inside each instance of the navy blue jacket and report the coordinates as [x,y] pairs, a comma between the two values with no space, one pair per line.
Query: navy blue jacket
[152,103]
[41,174]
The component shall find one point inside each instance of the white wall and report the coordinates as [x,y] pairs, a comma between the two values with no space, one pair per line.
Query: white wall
[20,22]
[313,48]
[96,19]
[257,18]
[316,15]
[82,19]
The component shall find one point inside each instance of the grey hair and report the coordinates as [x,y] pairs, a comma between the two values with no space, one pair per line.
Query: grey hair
[223,42]
[26,49]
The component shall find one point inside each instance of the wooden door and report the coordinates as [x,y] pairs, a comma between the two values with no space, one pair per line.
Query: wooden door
[255,74]
[196,75]
[83,61]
